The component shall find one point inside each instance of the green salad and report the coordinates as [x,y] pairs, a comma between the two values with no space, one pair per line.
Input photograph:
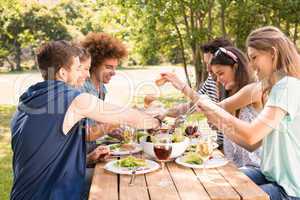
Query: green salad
[177,137]
[131,161]
[192,148]
[114,146]
[193,158]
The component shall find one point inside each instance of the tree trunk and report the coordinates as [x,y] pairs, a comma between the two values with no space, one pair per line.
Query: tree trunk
[211,3]
[198,66]
[34,58]
[223,27]
[11,64]
[18,56]
[182,52]
[295,33]
[287,28]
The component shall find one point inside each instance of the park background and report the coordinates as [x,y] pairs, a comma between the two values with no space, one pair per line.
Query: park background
[161,35]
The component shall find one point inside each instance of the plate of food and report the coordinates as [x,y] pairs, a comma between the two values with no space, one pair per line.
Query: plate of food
[121,149]
[194,160]
[195,141]
[130,163]
[193,147]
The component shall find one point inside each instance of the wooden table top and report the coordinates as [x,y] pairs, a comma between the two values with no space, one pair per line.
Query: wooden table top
[176,182]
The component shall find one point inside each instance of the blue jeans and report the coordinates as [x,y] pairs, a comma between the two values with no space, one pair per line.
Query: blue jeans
[275,191]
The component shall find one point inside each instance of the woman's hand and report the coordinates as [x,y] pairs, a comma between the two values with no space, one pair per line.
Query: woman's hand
[172,78]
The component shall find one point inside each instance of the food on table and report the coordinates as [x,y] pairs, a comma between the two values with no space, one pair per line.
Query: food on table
[161,81]
[151,131]
[139,135]
[122,147]
[193,158]
[192,148]
[127,147]
[191,130]
[204,149]
[177,137]
[131,161]
[129,135]
[113,147]
[117,133]
[149,99]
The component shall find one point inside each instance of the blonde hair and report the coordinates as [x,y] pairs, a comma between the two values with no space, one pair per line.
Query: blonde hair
[286,57]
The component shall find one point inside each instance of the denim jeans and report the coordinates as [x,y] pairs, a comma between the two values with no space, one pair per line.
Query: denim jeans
[275,191]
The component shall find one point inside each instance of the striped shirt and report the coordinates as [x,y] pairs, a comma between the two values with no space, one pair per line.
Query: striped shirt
[210,88]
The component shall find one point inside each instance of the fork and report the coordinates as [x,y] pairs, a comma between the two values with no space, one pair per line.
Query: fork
[182,118]
[131,182]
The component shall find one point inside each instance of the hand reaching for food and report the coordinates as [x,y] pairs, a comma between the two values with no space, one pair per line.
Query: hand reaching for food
[99,154]
[117,133]
[174,80]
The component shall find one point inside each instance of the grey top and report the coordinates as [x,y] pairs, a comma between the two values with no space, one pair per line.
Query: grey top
[88,87]
[240,156]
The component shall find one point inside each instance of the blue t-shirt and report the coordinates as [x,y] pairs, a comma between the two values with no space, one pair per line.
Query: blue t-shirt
[281,148]
[47,164]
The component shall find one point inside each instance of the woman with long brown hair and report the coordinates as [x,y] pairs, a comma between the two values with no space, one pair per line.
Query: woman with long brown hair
[276,128]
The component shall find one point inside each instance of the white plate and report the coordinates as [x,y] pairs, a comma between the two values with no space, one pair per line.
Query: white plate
[117,152]
[150,167]
[216,161]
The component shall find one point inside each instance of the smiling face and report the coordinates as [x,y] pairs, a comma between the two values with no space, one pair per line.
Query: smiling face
[107,70]
[225,75]
[261,61]
[85,69]
[72,74]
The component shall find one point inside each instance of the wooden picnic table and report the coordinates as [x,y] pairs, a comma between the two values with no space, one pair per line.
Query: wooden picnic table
[176,182]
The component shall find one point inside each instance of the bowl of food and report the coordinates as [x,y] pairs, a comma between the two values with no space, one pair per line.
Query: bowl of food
[179,145]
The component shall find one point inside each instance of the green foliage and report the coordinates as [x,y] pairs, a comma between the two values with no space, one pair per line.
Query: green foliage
[155,31]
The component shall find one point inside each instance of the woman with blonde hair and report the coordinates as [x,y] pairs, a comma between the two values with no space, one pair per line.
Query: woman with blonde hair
[276,128]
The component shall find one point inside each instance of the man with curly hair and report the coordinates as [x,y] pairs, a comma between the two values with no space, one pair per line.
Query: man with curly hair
[106,53]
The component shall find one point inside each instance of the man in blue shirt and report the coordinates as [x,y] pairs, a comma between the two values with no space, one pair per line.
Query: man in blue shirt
[48,138]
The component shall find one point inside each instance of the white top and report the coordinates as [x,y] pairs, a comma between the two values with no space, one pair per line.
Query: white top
[240,156]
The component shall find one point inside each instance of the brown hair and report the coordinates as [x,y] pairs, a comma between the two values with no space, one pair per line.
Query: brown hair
[213,45]
[102,46]
[84,53]
[54,55]
[243,73]
[286,57]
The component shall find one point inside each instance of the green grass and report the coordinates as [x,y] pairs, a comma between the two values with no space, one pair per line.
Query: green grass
[5,151]
[23,71]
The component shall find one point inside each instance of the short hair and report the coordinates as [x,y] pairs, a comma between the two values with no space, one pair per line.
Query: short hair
[213,45]
[84,54]
[103,46]
[54,55]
